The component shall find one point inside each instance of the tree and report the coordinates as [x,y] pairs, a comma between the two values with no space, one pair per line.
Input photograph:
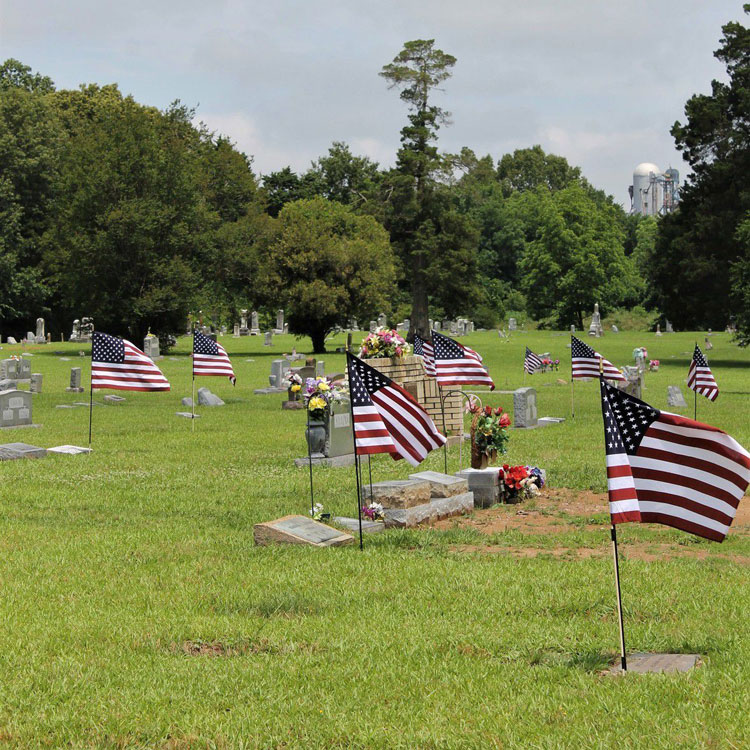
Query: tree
[343,177]
[530,168]
[434,241]
[327,265]
[702,246]
[577,258]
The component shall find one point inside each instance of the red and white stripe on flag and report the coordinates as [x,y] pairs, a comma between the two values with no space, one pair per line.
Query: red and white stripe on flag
[119,365]
[585,362]
[457,364]
[700,378]
[411,431]
[210,357]
[668,469]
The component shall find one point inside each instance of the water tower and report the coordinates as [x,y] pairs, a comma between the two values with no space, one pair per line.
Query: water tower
[646,189]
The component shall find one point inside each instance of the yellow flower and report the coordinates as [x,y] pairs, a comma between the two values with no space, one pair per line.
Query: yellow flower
[316,402]
[296,387]
[324,387]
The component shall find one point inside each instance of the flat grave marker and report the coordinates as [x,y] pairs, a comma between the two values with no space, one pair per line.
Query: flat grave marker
[299,530]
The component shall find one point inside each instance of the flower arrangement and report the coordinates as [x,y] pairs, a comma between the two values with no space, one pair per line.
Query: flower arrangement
[319,393]
[319,513]
[384,342]
[653,365]
[489,433]
[373,512]
[640,352]
[521,481]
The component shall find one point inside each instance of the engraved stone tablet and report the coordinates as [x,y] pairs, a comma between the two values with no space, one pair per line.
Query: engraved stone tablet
[16,402]
[299,530]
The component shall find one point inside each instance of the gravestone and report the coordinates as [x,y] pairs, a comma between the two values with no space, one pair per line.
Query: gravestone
[279,322]
[339,438]
[668,328]
[276,378]
[9,369]
[244,330]
[24,369]
[373,326]
[595,328]
[69,450]
[206,398]
[254,329]
[524,408]
[236,331]
[15,408]
[382,321]
[397,493]
[30,338]
[268,341]
[24,450]
[151,346]
[675,397]
[11,340]
[36,382]
[633,381]
[441,485]
[112,399]
[299,530]
[484,484]
[658,329]
[615,329]
[320,368]
[75,381]
[40,337]
[572,329]
[512,324]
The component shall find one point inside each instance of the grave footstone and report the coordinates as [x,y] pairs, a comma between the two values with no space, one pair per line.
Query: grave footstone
[75,381]
[25,450]
[206,398]
[524,408]
[299,530]
[112,399]
[675,397]
[187,401]
[187,415]
[69,450]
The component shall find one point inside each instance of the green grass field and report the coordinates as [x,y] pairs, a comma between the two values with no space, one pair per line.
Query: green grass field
[136,612]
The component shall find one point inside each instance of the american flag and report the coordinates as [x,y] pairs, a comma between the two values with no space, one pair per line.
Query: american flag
[532,362]
[210,358]
[700,377]
[457,364]
[585,362]
[665,468]
[117,364]
[387,419]
[424,349]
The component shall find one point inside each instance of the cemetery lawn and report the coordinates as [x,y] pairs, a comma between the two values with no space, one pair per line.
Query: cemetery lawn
[136,611]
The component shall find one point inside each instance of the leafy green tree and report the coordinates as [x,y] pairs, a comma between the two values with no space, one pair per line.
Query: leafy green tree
[435,241]
[701,247]
[286,186]
[343,177]
[327,265]
[577,258]
[530,168]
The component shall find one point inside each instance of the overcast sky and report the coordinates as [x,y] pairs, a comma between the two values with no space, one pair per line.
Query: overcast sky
[597,81]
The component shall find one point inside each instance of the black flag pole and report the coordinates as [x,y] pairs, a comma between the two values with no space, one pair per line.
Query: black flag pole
[695,394]
[309,463]
[91,388]
[616,559]
[192,405]
[445,431]
[356,455]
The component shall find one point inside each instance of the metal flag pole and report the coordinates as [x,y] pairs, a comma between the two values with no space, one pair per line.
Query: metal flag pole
[369,469]
[356,455]
[695,395]
[445,431]
[572,398]
[616,559]
[91,388]
[309,463]
[192,400]
[623,657]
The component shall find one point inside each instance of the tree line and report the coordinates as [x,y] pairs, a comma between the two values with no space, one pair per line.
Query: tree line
[140,219]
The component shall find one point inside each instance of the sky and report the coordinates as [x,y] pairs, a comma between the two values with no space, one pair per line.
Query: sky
[599,82]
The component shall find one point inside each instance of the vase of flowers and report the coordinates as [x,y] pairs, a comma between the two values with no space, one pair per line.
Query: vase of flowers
[293,385]
[653,365]
[319,393]
[521,482]
[489,434]
[384,342]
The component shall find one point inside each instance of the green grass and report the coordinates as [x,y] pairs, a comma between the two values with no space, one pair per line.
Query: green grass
[136,611]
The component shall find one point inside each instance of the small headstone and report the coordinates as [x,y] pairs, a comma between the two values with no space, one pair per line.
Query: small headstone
[15,408]
[206,398]
[69,450]
[268,339]
[320,368]
[668,328]
[236,331]
[675,397]
[524,408]
[658,329]
[512,324]
[299,530]
[278,368]
[243,329]
[36,382]
[339,438]
[151,346]
[615,329]
[11,340]
[373,326]
[595,328]
[279,322]
[75,381]
[382,321]
[187,401]
[254,329]
[26,450]
[8,385]
[572,329]
[484,484]
[30,338]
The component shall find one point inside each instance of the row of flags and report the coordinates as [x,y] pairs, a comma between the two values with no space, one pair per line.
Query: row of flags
[120,365]
[451,363]
[586,363]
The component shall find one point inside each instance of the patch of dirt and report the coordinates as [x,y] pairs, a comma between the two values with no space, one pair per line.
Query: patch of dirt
[218,648]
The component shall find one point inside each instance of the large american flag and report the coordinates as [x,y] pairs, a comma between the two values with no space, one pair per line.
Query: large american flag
[700,378]
[585,362]
[119,365]
[531,362]
[424,349]
[457,364]
[665,468]
[210,357]
[387,419]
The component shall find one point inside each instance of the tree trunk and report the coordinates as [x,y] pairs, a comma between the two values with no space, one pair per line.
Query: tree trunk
[318,342]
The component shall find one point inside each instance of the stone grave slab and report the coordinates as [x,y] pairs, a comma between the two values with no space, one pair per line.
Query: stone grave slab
[26,450]
[437,509]
[69,450]
[8,454]
[484,484]
[442,485]
[266,391]
[292,405]
[398,493]
[188,415]
[549,421]
[206,398]
[675,397]
[641,663]
[112,399]
[299,530]
[352,524]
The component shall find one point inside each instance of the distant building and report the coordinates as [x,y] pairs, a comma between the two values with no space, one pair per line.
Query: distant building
[653,192]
